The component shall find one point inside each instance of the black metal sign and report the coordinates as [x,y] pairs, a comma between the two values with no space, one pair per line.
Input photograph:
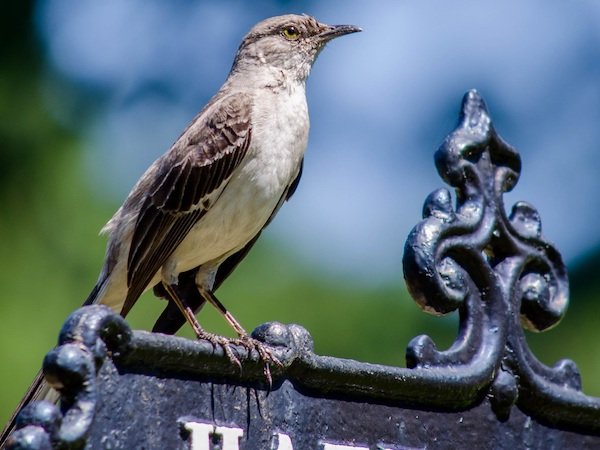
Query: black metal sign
[130,390]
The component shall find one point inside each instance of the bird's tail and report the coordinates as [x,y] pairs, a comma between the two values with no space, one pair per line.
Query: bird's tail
[94,295]
[39,388]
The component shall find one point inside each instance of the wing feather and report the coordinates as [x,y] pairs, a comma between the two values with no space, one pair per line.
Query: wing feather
[198,165]
[171,319]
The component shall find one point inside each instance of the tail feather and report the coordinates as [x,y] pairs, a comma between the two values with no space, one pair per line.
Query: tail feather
[93,297]
[39,390]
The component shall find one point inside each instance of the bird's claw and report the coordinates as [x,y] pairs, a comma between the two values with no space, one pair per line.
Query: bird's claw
[224,343]
[264,352]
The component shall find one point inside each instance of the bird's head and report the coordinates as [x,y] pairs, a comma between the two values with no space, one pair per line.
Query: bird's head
[287,43]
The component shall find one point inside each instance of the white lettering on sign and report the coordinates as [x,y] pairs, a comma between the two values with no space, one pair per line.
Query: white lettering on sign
[200,435]
[281,442]
[327,446]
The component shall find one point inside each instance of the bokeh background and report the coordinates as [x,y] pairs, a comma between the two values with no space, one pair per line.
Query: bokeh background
[92,92]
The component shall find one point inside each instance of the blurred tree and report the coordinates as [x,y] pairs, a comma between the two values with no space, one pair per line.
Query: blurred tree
[48,216]
[51,255]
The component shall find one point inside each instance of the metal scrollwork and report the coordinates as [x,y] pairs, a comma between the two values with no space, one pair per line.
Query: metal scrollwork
[495,269]
[498,271]
[85,340]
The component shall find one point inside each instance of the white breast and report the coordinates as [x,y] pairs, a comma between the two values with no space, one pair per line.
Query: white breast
[279,138]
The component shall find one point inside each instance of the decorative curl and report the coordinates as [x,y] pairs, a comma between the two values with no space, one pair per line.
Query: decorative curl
[85,339]
[497,271]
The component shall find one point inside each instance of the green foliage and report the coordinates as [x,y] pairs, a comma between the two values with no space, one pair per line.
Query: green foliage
[51,256]
[574,338]
[48,246]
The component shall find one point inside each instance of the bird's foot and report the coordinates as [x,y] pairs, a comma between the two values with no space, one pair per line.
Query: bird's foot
[223,342]
[264,352]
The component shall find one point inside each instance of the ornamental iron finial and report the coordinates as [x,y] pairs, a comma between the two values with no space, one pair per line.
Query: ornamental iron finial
[498,271]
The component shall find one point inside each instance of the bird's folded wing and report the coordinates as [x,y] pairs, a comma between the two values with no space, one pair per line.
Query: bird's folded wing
[199,164]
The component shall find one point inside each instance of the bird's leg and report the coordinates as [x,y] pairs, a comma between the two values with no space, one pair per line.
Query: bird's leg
[243,339]
[213,300]
[188,313]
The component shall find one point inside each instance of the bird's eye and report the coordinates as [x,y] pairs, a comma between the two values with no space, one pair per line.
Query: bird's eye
[290,32]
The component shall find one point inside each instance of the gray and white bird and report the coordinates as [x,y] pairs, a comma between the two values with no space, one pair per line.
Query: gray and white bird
[199,208]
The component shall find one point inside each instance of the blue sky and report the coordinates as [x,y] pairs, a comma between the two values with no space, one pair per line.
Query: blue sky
[381,102]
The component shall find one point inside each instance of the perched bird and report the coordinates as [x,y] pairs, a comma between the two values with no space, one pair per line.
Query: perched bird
[197,211]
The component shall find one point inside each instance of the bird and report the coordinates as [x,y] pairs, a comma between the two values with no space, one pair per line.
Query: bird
[200,207]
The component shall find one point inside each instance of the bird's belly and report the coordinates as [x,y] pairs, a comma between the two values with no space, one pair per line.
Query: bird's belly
[236,216]
[254,190]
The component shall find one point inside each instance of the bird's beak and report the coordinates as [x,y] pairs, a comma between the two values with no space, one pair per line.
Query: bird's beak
[334,31]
